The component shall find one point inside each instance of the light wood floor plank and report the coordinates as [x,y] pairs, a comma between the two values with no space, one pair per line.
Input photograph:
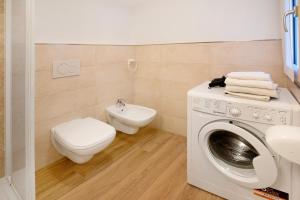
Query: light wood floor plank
[48,178]
[170,183]
[124,169]
[134,185]
[145,166]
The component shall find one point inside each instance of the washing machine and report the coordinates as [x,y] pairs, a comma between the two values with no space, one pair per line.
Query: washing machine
[227,151]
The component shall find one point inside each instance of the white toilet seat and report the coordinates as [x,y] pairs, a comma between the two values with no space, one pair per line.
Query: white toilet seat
[80,139]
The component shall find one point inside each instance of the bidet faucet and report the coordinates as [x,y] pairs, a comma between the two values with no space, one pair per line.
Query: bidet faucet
[120,104]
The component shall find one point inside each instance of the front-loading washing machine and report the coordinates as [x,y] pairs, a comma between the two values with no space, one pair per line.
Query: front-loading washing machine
[227,151]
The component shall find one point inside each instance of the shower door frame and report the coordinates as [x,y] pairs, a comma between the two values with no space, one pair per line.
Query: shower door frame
[29,98]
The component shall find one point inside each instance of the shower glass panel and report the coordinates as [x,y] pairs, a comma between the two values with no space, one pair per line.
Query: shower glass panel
[18,104]
[2,71]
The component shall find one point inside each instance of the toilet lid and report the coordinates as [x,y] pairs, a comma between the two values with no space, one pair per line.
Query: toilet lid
[83,133]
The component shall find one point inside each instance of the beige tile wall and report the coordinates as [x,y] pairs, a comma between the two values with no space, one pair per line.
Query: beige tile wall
[294,89]
[104,77]
[165,74]
[2,41]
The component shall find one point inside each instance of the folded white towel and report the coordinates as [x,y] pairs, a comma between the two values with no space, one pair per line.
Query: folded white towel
[262,76]
[249,96]
[251,83]
[255,91]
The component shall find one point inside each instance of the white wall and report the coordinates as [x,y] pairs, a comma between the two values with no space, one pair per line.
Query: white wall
[82,22]
[156,21]
[164,21]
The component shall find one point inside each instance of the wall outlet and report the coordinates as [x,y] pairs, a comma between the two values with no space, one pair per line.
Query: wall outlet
[65,68]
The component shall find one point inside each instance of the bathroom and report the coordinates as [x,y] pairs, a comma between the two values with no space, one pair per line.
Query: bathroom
[121,73]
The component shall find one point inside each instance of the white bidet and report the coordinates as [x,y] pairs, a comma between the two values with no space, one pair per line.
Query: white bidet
[130,118]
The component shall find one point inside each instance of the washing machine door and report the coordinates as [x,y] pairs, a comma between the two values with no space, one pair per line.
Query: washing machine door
[239,154]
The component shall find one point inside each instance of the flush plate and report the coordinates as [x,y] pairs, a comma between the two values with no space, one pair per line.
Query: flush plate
[65,68]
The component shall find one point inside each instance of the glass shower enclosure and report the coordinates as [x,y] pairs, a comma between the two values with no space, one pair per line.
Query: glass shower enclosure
[19,99]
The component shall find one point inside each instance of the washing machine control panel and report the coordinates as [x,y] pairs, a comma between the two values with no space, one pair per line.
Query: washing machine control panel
[267,115]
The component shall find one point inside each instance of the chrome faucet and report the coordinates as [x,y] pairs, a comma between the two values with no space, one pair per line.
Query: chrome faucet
[120,104]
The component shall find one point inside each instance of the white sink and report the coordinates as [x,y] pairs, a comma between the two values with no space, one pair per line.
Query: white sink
[285,141]
[130,119]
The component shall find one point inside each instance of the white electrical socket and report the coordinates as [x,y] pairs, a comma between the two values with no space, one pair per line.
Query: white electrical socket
[65,68]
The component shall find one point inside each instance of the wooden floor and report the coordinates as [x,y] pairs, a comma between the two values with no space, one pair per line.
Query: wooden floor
[148,165]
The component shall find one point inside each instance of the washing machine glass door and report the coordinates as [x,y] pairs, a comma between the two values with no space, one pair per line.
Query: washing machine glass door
[239,154]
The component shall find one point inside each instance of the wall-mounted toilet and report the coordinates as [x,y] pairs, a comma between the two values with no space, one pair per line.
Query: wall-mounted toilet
[81,139]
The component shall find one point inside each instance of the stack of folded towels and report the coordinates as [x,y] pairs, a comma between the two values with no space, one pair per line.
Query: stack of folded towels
[251,85]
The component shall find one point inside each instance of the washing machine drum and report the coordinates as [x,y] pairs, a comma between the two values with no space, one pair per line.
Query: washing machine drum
[237,151]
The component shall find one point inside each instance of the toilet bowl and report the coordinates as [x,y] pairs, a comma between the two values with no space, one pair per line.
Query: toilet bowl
[80,139]
[130,118]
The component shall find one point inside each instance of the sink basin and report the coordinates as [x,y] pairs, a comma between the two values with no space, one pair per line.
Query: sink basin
[285,141]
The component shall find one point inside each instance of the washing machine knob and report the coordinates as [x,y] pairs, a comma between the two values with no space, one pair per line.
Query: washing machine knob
[255,115]
[268,117]
[235,112]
